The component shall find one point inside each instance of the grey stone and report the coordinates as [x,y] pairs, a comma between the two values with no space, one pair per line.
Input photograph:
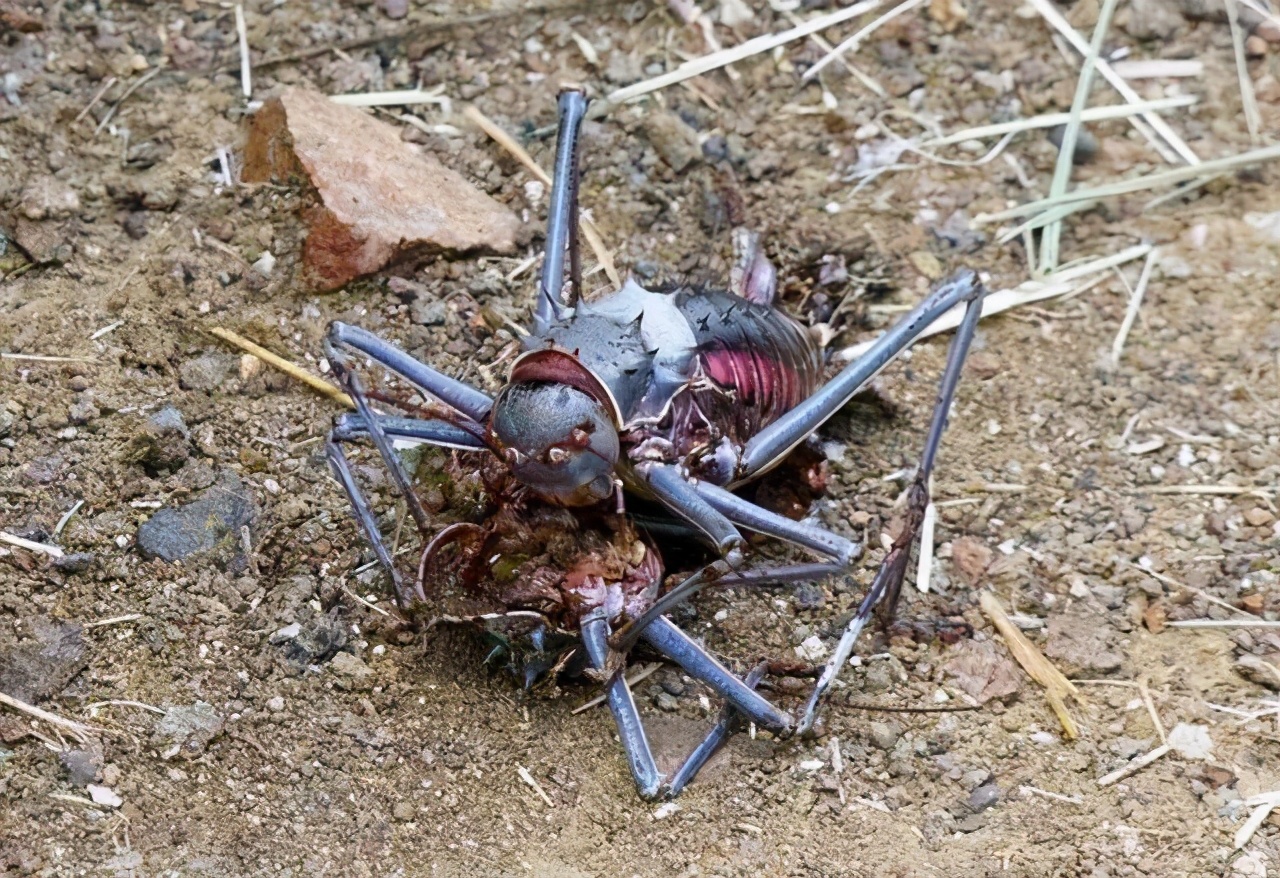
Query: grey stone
[1083,641]
[207,371]
[352,673]
[169,418]
[984,797]
[428,312]
[884,735]
[666,702]
[1086,144]
[76,562]
[186,731]
[674,141]
[82,766]
[210,522]
[45,662]
[1153,19]
[311,643]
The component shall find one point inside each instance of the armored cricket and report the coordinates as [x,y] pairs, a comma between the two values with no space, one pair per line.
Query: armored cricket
[676,398]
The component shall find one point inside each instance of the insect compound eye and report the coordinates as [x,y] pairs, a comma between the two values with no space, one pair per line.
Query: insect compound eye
[556,454]
[580,438]
[512,456]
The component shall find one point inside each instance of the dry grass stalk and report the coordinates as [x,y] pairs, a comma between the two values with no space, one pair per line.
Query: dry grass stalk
[1149,124]
[1262,806]
[853,71]
[1141,183]
[716,60]
[405,97]
[1134,766]
[1049,120]
[1248,101]
[290,369]
[1159,68]
[30,545]
[1057,687]
[642,674]
[1059,284]
[1210,490]
[97,96]
[66,517]
[1135,302]
[242,36]
[924,570]
[1223,623]
[534,785]
[1051,240]
[853,42]
[44,358]
[1213,599]
[114,620]
[509,143]
[79,731]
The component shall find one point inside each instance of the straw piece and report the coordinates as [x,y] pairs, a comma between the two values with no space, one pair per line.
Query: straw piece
[1248,100]
[716,60]
[1149,124]
[1057,687]
[852,44]
[1262,806]
[1223,623]
[534,785]
[1135,302]
[1134,766]
[642,674]
[924,570]
[242,35]
[1055,285]
[79,731]
[509,143]
[1052,237]
[822,44]
[1049,120]
[293,371]
[401,98]
[1159,68]
[30,545]
[1139,183]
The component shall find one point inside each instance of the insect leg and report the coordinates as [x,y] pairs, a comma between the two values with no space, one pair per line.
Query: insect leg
[595,638]
[887,585]
[562,214]
[725,726]
[746,514]
[678,495]
[663,635]
[772,443]
[719,573]
[417,431]
[405,595]
[463,397]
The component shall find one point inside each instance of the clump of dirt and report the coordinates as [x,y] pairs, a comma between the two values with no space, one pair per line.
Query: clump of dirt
[1100,501]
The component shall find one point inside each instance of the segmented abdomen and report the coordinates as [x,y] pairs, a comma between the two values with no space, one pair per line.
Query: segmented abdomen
[752,364]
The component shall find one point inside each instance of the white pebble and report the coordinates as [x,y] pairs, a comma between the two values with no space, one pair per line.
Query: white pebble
[104,796]
[266,264]
[812,650]
[272,486]
[811,765]
[665,811]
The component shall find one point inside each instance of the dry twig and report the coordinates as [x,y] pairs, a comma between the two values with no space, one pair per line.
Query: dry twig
[290,369]
[1057,687]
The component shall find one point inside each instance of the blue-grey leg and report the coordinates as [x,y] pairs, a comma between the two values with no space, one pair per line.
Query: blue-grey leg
[887,585]
[772,444]
[342,469]
[678,495]
[663,635]
[562,214]
[461,396]
[373,425]
[719,573]
[746,514]
[725,726]
[595,638]
[425,431]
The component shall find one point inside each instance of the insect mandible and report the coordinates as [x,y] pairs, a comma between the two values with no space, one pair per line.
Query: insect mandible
[676,397]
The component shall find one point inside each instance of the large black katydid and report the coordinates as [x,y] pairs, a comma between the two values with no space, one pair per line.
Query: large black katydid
[678,397]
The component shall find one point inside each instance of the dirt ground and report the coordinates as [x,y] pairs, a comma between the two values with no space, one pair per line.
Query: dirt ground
[347,746]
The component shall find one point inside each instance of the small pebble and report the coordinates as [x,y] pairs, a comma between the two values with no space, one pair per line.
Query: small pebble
[984,797]
[666,702]
[1086,144]
[884,735]
[275,704]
